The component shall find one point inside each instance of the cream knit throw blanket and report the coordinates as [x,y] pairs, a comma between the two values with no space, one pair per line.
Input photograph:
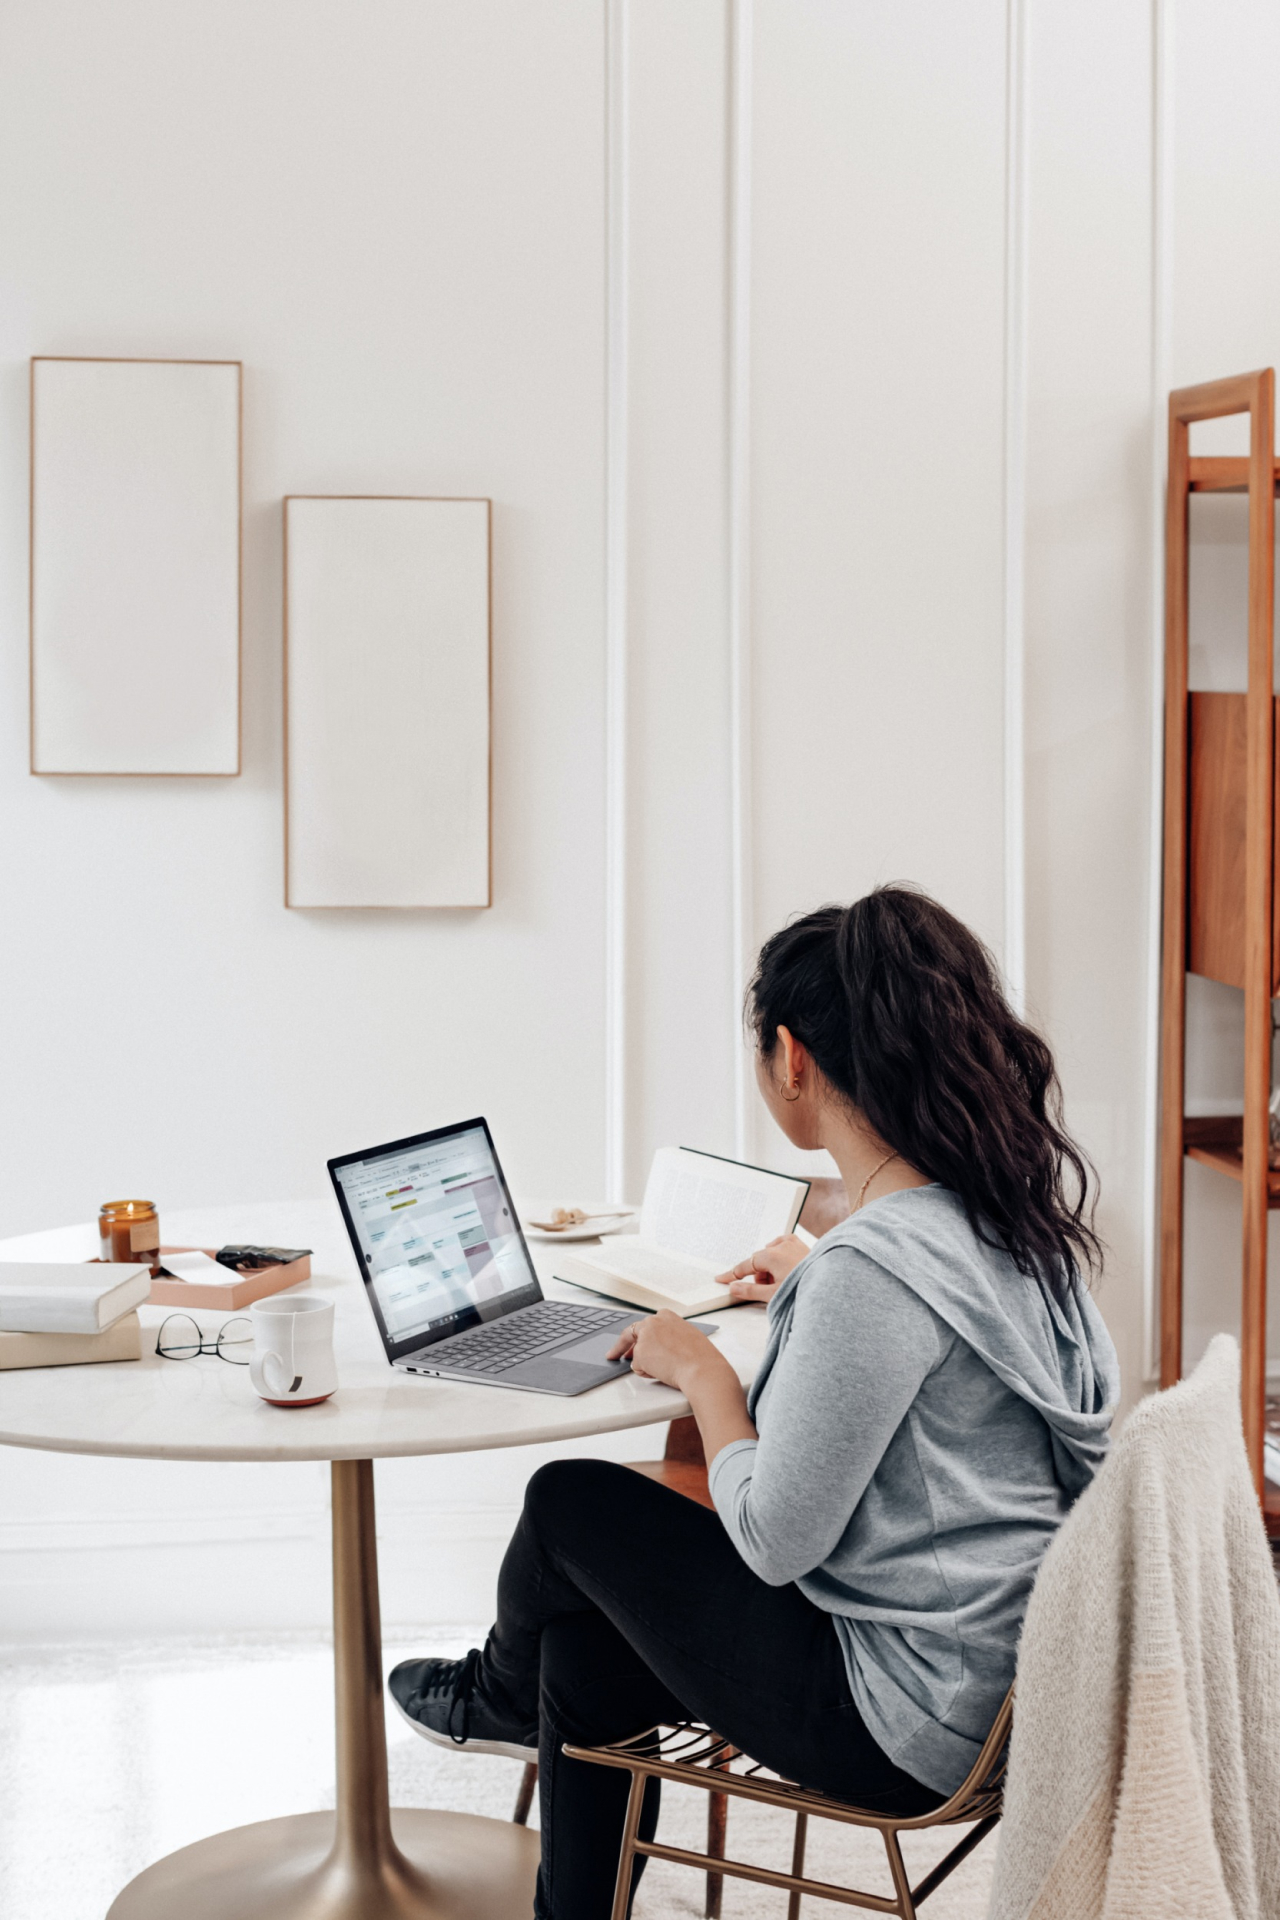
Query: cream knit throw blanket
[1144,1776]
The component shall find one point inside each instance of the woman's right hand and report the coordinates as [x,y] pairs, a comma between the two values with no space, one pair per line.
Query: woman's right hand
[759,1276]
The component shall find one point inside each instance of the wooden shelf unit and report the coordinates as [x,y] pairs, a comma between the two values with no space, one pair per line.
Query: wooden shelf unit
[1220,896]
[1215,1142]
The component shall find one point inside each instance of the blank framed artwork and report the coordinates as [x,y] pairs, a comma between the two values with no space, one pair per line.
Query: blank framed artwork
[387,692]
[135,566]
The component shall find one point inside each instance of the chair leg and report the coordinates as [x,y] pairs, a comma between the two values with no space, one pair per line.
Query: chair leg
[717,1827]
[901,1884]
[524,1798]
[797,1865]
[626,1858]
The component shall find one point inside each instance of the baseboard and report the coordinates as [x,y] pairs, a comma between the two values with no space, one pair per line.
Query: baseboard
[76,1576]
[88,1533]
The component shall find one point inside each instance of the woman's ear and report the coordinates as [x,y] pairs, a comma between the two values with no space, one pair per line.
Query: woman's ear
[793,1062]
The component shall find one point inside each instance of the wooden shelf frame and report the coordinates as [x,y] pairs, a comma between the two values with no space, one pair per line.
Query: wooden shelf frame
[1252,394]
[1219,474]
[1215,1142]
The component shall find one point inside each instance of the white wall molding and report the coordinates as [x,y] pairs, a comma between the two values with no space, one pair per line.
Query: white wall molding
[738,477]
[1162,188]
[669,702]
[616,591]
[1015,503]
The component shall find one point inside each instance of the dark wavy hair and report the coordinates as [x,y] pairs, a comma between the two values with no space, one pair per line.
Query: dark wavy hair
[902,1009]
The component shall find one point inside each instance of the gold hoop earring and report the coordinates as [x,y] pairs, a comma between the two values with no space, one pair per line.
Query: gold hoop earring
[790,1098]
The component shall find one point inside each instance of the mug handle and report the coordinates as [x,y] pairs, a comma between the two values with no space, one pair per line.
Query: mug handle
[269,1375]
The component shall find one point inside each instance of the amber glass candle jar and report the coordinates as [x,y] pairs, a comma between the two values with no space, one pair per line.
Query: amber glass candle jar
[129,1230]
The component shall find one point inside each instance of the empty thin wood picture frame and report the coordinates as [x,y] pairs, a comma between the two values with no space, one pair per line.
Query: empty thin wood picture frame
[135,555]
[387,701]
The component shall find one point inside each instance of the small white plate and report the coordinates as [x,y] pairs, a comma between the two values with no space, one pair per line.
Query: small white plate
[590,1230]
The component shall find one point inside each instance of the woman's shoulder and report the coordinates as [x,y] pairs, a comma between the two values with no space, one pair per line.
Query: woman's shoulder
[1034,1338]
[915,1248]
[916,1219]
[839,1279]
[931,1213]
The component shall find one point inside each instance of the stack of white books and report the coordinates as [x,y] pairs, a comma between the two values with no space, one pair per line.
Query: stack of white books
[55,1314]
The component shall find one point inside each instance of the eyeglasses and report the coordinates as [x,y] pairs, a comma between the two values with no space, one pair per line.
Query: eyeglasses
[181,1339]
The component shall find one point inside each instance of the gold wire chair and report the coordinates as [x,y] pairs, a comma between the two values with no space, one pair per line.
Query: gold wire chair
[691,1755]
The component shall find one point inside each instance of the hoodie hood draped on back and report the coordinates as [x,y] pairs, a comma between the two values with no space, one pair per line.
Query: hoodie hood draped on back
[926,1417]
[1054,1354]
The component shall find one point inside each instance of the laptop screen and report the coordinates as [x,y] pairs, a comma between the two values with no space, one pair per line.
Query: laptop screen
[435,1234]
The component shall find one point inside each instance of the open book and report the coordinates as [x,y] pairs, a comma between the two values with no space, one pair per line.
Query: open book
[701,1215]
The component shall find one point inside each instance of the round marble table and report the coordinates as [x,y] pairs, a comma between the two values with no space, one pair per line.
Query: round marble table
[361,1862]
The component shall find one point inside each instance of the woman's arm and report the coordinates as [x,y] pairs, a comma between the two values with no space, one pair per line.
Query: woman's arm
[665,1347]
[861,1345]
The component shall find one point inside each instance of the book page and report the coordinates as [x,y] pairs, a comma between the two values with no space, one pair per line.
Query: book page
[631,1258]
[715,1210]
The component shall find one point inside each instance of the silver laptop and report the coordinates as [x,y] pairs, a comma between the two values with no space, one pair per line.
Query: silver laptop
[448,1275]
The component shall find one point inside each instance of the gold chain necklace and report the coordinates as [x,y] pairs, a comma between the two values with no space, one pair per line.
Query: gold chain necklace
[878,1168]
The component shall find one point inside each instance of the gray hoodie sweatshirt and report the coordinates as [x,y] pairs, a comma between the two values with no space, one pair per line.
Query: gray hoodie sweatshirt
[927,1415]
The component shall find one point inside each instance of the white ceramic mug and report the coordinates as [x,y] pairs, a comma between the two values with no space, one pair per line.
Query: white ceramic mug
[293,1363]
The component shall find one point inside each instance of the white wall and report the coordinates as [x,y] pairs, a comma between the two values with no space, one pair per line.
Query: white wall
[396,218]
[1152,181]
[381,213]
[1224,317]
[1088,496]
[670,978]
[814,357]
[877,516]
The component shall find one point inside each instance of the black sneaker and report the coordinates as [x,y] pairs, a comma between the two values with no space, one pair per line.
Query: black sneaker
[444,1701]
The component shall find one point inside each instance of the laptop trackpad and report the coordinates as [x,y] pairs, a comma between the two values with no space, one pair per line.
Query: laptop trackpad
[593,1349]
[552,1374]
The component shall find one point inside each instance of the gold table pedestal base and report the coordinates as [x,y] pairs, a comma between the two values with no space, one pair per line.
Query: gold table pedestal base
[362,1861]
[442,1866]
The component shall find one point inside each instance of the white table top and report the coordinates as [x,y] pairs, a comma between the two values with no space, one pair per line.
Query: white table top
[204,1409]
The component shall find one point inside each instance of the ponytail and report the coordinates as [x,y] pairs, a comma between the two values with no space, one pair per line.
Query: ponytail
[902,1009]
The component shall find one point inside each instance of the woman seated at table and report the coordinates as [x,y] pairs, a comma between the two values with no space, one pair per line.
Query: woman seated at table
[936,1391]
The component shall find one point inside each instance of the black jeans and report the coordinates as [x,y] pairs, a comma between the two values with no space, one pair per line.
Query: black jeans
[622,1605]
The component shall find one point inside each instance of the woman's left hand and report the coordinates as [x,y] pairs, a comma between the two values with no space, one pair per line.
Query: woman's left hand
[664,1347]
[758,1277]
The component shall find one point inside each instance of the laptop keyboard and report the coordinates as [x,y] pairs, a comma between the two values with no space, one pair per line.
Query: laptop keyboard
[500,1344]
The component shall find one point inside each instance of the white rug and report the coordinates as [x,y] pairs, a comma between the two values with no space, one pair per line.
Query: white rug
[112,1756]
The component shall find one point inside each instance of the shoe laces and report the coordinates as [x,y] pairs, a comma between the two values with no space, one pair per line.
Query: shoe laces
[463,1687]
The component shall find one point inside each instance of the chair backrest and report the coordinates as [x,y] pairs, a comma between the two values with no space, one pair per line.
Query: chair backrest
[1149,1674]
